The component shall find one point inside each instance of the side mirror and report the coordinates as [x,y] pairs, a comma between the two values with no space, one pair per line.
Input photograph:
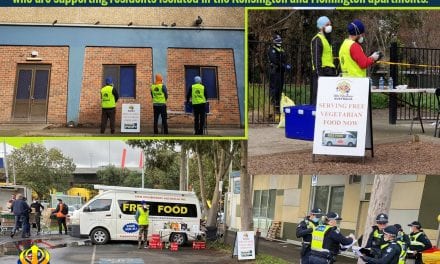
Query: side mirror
[86,209]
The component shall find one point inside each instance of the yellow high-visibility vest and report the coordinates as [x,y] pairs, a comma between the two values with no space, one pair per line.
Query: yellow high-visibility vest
[349,67]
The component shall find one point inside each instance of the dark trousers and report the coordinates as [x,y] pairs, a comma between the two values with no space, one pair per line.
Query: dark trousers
[160,110]
[37,221]
[314,88]
[199,118]
[305,253]
[17,224]
[61,223]
[109,113]
[276,87]
[319,260]
[26,226]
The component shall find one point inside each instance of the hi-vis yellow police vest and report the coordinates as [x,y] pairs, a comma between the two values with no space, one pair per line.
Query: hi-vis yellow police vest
[327,52]
[158,94]
[198,94]
[318,237]
[143,217]
[414,238]
[402,256]
[107,97]
[377,236]
[349,67]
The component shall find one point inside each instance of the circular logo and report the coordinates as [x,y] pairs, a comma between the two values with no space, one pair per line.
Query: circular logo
[130,228]
[34,254]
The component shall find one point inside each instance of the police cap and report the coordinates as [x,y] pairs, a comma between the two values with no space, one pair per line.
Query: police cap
[416,224]
[333,216]
[391,230]
[382,219]
[316,211]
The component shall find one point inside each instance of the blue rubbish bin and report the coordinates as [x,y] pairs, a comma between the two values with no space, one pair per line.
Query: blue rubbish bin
[300,121]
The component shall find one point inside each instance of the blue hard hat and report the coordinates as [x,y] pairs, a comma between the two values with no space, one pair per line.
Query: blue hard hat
[197,79]
[108,80]
[143,202]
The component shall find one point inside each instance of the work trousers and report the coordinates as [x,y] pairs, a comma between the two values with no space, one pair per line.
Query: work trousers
[108,113]
[37,221]
[160,110]
[199,118]
[61,223]
[143,233]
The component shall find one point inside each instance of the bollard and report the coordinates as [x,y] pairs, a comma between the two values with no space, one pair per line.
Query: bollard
[257,239]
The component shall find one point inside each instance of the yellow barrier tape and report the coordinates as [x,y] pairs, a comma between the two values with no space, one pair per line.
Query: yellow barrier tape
[408,64]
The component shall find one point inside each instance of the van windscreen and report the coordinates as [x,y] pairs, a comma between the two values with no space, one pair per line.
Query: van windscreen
[160,208]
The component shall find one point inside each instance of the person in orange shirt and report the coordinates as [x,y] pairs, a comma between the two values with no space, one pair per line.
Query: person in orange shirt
[61,212]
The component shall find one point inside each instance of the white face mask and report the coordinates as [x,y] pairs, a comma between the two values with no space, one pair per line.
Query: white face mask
[278,44]
[361,39]
[328,29]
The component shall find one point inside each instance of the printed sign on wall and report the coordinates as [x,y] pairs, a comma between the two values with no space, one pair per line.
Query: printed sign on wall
[341,116]
[131,118]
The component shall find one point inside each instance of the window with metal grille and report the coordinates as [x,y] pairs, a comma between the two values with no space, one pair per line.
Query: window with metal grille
[124,79]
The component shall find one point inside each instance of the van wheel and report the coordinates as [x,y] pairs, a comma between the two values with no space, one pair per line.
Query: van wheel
[99,236]
[329,143]
[179,238]
[350,144]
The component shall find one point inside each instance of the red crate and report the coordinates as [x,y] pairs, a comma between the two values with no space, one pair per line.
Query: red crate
[174,246]
[155,245]
[199,245]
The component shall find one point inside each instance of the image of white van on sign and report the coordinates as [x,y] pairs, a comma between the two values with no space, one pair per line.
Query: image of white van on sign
[341,139]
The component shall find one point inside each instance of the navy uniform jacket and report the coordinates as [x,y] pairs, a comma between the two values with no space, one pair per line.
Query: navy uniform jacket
[390,255]
[334,239]
[303,230]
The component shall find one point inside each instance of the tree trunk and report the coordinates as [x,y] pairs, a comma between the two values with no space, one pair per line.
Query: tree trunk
[202,181]
[222,164]
[379,203]
[183,160]
[245,191]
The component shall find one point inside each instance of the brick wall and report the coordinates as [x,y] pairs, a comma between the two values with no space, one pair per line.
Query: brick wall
[225,110]
[57,57]
[95,57]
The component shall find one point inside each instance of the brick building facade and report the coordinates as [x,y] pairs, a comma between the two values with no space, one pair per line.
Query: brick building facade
[53,73]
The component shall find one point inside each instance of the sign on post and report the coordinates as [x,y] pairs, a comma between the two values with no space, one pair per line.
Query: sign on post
[131,118]
[314,180]
[341,116]
[244,246]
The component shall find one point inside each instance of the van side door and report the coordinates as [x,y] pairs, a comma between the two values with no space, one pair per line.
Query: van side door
[98,213]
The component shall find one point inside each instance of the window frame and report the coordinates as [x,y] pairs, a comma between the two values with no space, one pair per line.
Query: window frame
[118,85]
[199,68]
[329,196]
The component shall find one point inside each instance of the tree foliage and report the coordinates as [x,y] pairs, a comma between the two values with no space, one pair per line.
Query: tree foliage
[41,169]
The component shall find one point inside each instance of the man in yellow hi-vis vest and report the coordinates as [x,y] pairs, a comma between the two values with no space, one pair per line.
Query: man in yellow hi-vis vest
[109,97]
[327,240]
[142,217]
[198,94]
[322,54]
[159,94]
[353,61]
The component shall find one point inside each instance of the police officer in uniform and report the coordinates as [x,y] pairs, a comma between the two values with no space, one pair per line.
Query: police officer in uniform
[322,54]
[277,59]
[159,94]
[376,239]
[419,242]
[390,252]
[327,241]
[198,95]
[109,97]
[402,238]
[305,229]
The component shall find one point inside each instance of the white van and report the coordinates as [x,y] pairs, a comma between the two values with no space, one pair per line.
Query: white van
[345,139]
[174,215]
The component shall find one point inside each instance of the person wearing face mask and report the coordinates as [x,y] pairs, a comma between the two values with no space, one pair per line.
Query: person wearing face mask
[376,238]
[142,218]
[322,54]
[278,65]
[353,61]
[327,240]
[391,251]
[304,230]
[418,242]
